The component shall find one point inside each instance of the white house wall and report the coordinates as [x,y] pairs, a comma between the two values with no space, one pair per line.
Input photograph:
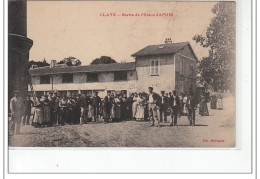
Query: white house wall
[106,82]
[166,79]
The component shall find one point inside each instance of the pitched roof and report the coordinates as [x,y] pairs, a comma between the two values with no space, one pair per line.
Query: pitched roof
[84,69]
[169,48]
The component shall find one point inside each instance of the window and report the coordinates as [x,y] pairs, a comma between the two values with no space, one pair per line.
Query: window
[62,93]
[181,67]
[92,77]
[73,93]
[67,78]
[120,75]
[154,70]
[45,80]
[191,71]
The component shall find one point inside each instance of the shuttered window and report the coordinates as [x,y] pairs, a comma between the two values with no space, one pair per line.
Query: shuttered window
[44,79]
[120,76]
[181,67]
[154,68]
[92,77]
[67,78]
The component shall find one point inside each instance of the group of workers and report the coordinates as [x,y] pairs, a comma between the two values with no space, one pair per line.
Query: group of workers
[52,110]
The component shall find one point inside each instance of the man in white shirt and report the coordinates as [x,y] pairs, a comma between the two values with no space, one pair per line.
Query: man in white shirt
[175,108]
[17,110]
[154,107]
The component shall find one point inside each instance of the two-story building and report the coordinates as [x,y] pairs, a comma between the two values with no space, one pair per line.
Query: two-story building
[169,66]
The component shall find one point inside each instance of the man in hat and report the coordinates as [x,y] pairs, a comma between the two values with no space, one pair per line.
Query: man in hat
[175,107]
[191,108]
[153,100]
[96,103]
[107,106]
[28,103]
[163,107]
[17,109]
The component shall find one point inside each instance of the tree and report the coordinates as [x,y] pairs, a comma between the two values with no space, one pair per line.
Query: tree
[218,69]
[70,61]
[38,63]
[103,60]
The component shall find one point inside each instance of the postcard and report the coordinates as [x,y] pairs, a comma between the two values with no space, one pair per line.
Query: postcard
[121,74]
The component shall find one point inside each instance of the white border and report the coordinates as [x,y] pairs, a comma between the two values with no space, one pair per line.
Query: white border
[154,160]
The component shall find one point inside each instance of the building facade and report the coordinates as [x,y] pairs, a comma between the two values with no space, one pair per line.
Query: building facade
[167,67]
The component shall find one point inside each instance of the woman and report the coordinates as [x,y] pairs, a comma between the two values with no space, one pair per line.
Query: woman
[134,107]
[181,104]
[90,113]
[185,98]
[220,102]
[38,113]
[46,111]
[213,102]
[203,110]
[118,105]
[77,109]
[113,108]
[140,108]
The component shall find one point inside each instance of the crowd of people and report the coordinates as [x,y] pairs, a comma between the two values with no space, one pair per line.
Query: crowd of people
[52,109]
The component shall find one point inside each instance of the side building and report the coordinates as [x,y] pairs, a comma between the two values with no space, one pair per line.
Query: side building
[169,66]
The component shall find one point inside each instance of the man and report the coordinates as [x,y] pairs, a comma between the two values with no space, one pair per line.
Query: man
[54,107]
[107,105]
[51,99]
[96,100]
[129,105]
[153,107]
[175,107]
[163,107]
[28,103]
[63,110]
[191,107]
[17,108]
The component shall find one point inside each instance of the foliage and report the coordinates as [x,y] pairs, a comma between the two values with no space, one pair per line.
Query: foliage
[38,63]
[218,69]
[70,61]
[103,60]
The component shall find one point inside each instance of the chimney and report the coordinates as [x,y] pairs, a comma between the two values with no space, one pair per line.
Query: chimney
[53,63]
[168,41]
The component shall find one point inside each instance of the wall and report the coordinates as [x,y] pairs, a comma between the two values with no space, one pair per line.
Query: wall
[184,81]
[166,79]
[106,82]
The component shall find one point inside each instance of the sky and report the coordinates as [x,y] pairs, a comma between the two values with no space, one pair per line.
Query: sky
[60,29]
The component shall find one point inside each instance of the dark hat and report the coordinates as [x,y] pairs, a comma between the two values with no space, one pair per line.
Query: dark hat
[162,91]
[150,87]
[96,92]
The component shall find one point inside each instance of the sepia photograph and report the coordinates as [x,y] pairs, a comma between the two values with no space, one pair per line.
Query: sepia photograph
[122,74]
